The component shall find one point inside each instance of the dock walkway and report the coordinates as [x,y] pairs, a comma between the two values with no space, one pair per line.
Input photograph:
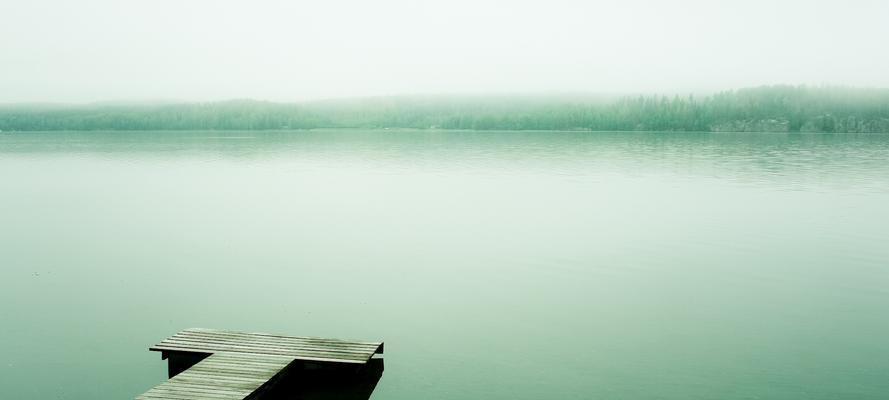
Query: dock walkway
[224,365]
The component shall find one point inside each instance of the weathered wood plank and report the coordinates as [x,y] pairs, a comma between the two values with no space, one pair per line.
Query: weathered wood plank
[331,344]
[346,347]
[293,356]
[271,347]
[260,334]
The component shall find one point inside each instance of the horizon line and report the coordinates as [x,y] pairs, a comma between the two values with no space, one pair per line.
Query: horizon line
[604,95]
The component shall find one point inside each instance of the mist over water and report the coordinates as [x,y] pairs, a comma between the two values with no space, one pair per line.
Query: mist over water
[200,50]
[498,265]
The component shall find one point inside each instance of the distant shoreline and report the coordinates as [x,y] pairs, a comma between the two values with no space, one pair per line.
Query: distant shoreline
[762,109]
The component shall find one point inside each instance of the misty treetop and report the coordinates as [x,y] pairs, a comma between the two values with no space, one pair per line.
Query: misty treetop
[765,109]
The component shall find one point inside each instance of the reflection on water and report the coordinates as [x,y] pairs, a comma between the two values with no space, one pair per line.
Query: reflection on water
[749,157]
[497,265]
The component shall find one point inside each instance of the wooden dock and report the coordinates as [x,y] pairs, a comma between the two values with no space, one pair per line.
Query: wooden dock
[223,365]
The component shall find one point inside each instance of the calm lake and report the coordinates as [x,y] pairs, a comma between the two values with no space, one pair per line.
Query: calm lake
[495,265]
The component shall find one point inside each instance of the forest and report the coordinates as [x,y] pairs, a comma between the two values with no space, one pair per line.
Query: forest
[781,108]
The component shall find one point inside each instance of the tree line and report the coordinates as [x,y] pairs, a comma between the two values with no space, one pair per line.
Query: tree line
[767,108]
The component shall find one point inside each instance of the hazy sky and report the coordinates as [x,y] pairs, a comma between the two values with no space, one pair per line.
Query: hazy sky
[88,50]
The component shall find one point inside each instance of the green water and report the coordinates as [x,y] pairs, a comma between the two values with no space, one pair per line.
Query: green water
[495,265]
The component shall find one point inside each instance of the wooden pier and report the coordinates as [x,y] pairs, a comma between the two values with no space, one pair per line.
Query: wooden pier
[223,365]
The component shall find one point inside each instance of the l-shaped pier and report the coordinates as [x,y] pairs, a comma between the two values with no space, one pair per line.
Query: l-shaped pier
[223,365]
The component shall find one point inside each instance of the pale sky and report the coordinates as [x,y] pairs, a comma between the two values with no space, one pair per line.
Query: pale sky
[93,50]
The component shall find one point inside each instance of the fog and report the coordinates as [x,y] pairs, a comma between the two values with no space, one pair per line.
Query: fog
[92,50]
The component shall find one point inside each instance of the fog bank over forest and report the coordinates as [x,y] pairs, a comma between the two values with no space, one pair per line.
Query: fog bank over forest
[781,108]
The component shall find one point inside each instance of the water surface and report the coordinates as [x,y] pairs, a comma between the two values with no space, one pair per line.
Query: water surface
[495,265]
